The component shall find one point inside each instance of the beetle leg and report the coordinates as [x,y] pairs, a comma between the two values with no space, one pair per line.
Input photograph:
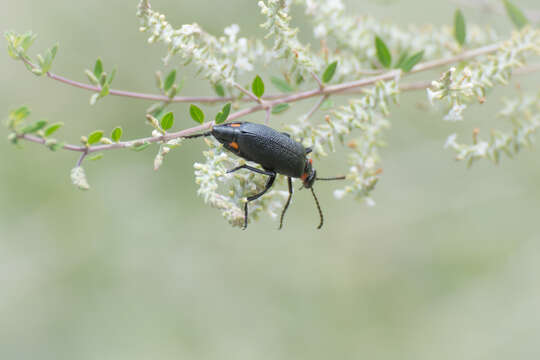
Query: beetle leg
[268,173]
[289,182]
[269,183]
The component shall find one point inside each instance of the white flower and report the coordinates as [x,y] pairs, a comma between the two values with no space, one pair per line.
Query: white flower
[231,31]
[450,141]
[320,31]
[242,63]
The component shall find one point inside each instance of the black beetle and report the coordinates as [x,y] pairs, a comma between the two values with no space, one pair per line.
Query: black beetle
[275,151]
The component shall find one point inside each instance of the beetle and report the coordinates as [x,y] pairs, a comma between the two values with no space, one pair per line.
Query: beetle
[276,152]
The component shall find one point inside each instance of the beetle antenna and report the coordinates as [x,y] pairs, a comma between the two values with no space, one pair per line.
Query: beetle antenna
[197,135]
[318,208]
[332,178]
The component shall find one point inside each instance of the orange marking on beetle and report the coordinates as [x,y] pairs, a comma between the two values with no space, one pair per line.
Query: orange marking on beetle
[304,176]
[311,161]
[234,145]
[235,125]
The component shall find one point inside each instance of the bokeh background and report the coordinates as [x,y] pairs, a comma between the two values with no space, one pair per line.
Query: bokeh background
[444,267]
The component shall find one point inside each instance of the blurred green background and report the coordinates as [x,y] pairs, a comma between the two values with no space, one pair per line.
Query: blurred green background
[444,267]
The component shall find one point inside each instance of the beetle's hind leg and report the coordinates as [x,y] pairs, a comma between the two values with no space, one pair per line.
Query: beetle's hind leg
[269,183]
[289,182]
[271,177]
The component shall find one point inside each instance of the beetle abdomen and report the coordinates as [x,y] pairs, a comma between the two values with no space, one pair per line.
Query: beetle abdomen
[263,145]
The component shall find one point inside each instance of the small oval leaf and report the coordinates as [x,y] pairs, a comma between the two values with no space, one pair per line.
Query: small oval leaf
[49,130]
[141,147]
[383,54]
[515,14]
[460,29]
[94,137]
[98,68]
[222,116]
[258,86]
[219,89]
[281,84]
[196,113]
[169,80]
[96,156]
[410,62]
[279,108]
[32,128]
[167,121]
[329,72]
[116,134]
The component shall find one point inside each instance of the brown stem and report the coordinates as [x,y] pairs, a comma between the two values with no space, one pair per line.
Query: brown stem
[324,92]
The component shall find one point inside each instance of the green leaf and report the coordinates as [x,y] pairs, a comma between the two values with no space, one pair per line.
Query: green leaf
[219,89]
[111,76]
[167,121]
[279,108]
[98,68]
[56,146]
[515,14]
[104,91]
[96,156]
[49,130]
[17,116]
[32,128]
[460,29]
[94,137]
[27,40]
[196,113]
[329,72]
[141,147]
[46,63]
[169,80]
[410,62]
[383,54]
[404,56]
[258,86]
[327,104]
[54,50]
[281,84]
[222,116]
[116,134]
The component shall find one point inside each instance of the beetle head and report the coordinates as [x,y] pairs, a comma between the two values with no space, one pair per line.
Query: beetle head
[310,175]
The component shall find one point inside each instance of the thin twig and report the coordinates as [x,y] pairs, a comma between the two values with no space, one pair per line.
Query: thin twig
[325,92]
[83,155]
[316,107]
[318,80]
[214,99]
[247,92]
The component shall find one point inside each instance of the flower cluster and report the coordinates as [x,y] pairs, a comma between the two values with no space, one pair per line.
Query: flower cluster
[213,180]
[286,43]
[522,113]
[365,117]
[218,59]
[353,36]
[458,88]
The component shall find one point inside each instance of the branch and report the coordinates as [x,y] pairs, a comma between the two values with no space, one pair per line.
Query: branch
[323,93]
[137,95]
